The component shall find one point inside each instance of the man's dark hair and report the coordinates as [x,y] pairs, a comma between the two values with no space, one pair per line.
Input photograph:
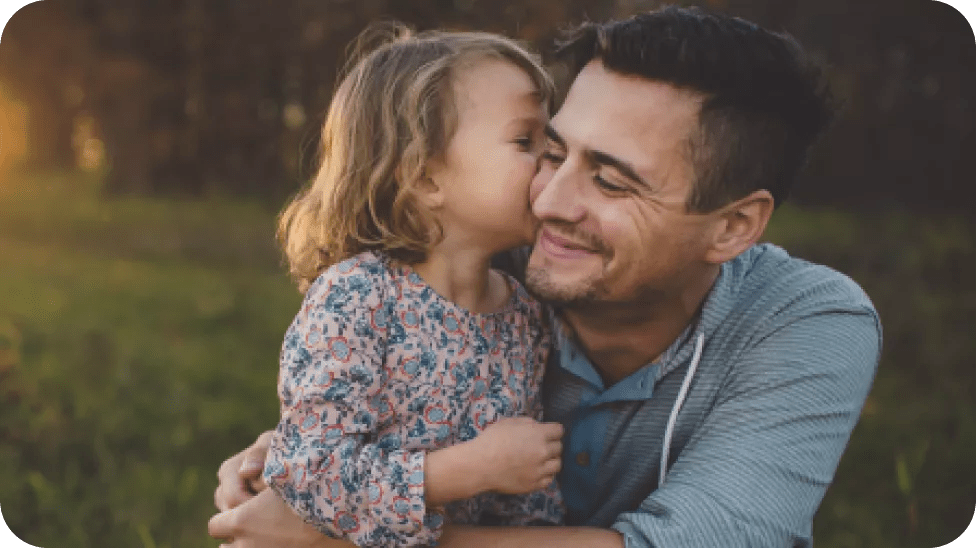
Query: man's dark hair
[765,100]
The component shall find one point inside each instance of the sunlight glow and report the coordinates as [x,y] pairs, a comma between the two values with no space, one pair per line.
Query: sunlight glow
[89,149]
[13,132]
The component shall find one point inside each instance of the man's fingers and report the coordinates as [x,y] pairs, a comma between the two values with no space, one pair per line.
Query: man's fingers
[264,439]
[253,464]
[223,525]
[257,485]
[231,493]
[223,499]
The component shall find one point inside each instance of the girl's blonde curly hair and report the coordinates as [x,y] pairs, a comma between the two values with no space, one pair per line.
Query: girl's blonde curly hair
[392,112]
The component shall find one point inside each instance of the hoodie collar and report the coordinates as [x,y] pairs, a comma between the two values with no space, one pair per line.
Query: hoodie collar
[640,384]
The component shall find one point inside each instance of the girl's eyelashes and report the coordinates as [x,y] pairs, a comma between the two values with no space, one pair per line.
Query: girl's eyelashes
[525,143]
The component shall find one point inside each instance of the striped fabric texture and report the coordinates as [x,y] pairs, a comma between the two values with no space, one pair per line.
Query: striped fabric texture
[790,352]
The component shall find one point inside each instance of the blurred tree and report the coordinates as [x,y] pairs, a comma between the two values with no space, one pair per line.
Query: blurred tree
[905,73]
[203,96]
[42,66]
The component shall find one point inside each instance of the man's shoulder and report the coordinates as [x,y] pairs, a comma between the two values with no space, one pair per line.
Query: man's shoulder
[792,307]
[766,287]
[768,272]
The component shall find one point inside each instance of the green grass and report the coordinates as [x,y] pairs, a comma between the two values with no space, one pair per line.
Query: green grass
[907,478]
[139,342]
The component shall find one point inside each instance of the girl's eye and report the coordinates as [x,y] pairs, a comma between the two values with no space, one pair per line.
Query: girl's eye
[524,143]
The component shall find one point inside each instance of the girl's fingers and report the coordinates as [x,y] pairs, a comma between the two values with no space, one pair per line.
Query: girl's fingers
[552,467]
[553,430]
[554,449]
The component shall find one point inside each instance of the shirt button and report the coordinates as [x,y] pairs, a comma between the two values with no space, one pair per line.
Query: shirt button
[583,458]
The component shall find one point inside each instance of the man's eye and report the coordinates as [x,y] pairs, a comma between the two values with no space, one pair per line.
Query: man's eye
[552,158]
[608,186]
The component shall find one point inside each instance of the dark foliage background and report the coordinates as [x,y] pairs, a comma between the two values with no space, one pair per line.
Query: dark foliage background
[146,146]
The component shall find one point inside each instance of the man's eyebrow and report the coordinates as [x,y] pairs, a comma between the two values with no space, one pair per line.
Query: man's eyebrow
[550,132]
[623,167]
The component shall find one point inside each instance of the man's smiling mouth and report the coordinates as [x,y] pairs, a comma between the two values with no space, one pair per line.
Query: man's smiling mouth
[560,247]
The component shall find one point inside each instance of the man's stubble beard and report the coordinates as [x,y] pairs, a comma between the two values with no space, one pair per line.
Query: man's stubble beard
[586,292]
[582,294]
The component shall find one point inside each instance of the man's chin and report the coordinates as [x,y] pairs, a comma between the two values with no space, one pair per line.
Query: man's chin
[544,285]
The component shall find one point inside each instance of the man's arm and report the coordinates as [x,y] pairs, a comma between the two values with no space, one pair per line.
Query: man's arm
[265,521]
[753,475]
[239,477]
[758,466]
[757,470]
[461,536]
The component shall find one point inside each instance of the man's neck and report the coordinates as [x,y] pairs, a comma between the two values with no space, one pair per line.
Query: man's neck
[620,338]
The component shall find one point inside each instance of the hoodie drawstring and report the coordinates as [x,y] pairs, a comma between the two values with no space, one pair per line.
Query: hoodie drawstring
[678,402]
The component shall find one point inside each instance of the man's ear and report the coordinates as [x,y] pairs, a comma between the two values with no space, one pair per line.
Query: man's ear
[739,226]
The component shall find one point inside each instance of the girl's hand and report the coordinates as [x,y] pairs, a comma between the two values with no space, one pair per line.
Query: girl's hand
[519,454]
[240,475]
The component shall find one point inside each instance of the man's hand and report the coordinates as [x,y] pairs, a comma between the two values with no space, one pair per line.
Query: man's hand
[265,521]
[240,475]
[519,454]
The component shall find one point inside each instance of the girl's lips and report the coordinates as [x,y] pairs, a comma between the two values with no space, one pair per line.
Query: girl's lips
[561,247]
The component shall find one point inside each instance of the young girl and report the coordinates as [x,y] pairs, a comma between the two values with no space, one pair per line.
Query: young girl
[402,372]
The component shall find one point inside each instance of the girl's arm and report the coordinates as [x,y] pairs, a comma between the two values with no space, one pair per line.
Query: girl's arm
[513,456]
[324,460]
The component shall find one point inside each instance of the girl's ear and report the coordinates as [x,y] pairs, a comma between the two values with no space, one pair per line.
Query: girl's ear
[425,187]
[429,191]
[739,226]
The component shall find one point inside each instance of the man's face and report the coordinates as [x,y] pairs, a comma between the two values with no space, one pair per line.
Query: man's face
[611,193]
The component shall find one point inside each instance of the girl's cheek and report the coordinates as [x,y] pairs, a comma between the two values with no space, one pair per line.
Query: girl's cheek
[543,173]
[529,165]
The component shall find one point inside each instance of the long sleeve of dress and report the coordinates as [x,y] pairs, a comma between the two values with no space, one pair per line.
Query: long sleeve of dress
[325,460]
[542,507]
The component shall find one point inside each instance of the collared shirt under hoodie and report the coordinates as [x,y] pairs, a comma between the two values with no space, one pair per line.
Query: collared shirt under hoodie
[788,353]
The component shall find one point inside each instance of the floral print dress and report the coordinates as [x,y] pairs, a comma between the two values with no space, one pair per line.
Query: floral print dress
[377,369]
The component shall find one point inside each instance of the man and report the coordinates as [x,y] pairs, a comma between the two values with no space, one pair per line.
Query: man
[707,385]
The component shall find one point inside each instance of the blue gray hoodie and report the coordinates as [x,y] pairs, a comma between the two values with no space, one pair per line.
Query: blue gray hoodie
[750,410]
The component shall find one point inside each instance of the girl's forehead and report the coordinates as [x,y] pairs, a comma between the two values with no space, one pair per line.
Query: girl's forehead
[495,84]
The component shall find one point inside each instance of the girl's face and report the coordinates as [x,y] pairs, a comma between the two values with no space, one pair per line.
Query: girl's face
[484,174]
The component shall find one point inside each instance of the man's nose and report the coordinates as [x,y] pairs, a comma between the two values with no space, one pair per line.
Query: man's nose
[556,194]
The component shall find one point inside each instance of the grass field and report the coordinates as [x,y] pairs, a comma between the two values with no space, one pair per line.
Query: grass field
[139,342]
